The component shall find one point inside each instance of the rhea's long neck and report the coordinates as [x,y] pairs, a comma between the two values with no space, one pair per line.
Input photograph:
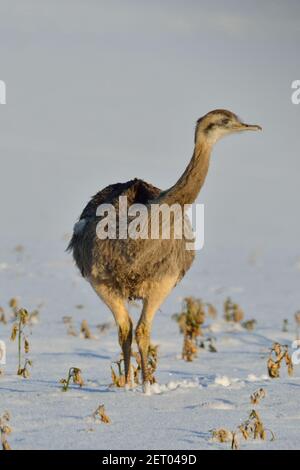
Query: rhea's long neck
[187,188]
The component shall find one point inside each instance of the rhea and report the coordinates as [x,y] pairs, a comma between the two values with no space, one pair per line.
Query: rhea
[120,270]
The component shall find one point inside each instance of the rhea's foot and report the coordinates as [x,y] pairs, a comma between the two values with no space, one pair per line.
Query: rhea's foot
[147,387]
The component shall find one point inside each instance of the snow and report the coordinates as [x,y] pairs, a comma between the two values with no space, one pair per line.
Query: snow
[110,91]
[189,398]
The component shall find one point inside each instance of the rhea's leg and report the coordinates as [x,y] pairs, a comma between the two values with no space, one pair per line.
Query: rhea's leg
[117,306]
[152,302]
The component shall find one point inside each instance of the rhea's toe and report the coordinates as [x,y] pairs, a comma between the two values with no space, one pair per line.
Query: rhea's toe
[147,388]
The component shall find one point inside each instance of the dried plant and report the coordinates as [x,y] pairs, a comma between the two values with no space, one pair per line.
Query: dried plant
[228,307]
[118,378]
[251,428]
[104,327]
[33,317]
[238,313]
[85,330]
[257,396]
[211,310]
[14,305]
[221,435]
[19,248]
[297,319]
[190,320]
[75,374]
[5,430]
[23,371]
[189,350]
[278,353]
[118,372]
[67,319]
[249,324]
[70,326]
[18,331]
[101,415]
[151,367]
[208,344]
[235,444]
[2,316]
[233,312]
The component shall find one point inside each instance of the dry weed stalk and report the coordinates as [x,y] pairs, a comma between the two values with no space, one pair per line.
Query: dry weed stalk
[209,344]
[70,326]
[297,319]
[189,350]
[85,330]
[2,316]
[224,435]
[257,396]
[103,327]
[18,328]
[75,374]
[233,312]
[278,353]
[33,318]
[101,415]
[118,376]
[252,428]
[221,435]
[23,371]
[19,249]
[211,310]
[5,430]
[249,324]
[235,443]
[190,320]
[152,364]
[14,305]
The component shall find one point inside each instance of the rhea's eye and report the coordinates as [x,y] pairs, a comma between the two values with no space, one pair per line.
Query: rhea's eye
[225,121]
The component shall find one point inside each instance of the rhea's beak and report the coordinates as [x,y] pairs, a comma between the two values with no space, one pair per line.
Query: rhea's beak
[250,127]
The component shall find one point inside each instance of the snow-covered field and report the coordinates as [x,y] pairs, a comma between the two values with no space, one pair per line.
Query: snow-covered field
[190,399]
[100,92]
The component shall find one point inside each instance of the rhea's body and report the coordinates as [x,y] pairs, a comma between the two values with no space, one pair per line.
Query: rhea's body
[148,269]
[128,266]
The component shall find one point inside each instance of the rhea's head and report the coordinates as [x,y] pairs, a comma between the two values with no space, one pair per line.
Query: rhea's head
[219,123]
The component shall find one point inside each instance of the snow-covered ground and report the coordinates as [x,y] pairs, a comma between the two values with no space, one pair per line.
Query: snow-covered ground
[101,92]
[190,399]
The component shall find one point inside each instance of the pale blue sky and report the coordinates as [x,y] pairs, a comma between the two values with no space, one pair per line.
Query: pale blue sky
[100,92]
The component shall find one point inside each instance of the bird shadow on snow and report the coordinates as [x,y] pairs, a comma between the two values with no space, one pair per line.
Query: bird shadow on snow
[78,352]
[197,434]
[15,390]
[216,402]
[98,388]
[181,373]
